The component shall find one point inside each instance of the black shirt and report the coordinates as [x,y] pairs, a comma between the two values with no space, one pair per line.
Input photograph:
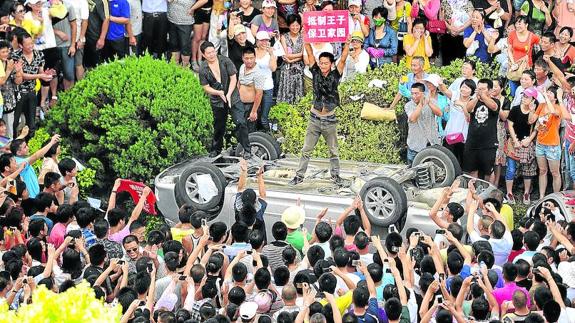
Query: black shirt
[227,70]
[325,92]
[247,20]
[482,127]
[520,122]
[235,52]
[99,11]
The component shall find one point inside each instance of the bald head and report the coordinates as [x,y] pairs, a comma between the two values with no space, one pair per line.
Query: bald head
[289,294]
[519,299]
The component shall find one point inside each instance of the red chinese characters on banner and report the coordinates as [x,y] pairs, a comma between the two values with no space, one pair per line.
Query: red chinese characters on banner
[325,26]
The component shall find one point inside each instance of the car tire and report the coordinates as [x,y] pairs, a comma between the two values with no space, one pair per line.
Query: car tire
[384,201]
[186,191]
[445,161]
[263,145]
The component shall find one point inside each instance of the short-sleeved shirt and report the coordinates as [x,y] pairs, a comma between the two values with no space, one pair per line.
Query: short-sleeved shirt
[548,126]
[120,235]
[64,26]
[251,78]
[482,127]
[520,49]
[408,41]
[520,122]
[325,93]
[99,11]
[113,249]
[295,238]
[178,12]
[136,16]
[227,70]
[29,177]
[259,21]
[32,67]
[81,12]
[481,53]
[120,9]
[424,130]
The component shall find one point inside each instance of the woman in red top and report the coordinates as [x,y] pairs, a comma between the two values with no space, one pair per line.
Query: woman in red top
[520,48]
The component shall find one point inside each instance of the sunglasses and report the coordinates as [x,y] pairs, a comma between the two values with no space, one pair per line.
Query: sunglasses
[131,250]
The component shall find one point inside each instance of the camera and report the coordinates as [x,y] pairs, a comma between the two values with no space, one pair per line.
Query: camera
[439,299]
[121,262]
[150,268]
[441,276]
[182,277]
[354,263]
[440,231]
[249,252]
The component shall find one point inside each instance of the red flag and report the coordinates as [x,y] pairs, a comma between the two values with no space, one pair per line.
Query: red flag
[135,189]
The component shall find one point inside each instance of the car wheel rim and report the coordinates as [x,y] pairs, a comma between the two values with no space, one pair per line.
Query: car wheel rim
[260,151]
[379,203]
[192,189]
[439,168]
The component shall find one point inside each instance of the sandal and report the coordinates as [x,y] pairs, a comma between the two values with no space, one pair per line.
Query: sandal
[53,101]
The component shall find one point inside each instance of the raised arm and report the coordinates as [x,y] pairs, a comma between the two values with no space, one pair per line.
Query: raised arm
[140,206]
[243,175]
[342,60]
[42,151]
[112,200]
[261,183]
[310,57]
[445,195]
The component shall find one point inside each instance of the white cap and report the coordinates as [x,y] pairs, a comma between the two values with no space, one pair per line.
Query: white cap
[354,3]
[433,79]
[262,35]
[248,310]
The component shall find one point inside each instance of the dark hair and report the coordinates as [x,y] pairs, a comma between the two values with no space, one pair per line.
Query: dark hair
[136,225]
[382,11]
[456,210]
[525,19]
[487,82]
[66,165]
[5,160]
[53,149]
[35,226]
[185,212]
[541,296]
[338,242]
[351,224]
[418,21]
[470,84]
[44,201]
[497,229]
[262,278]
[279,231]
[281,276]
[218,230]
[289,255]
[328,56]
[454,262]
[456,230]
[16,143]
[129,239]
[480,308]
[256,239]
[517,237]
[531,74]
[240,232]
[314,254]
[393,308]
[340,257]
[51,178]
[531,240]
[323,231]
[509,272]
[419,86]
[84,217]
[97,254]
[205,45]
[360,297]
[293,18]
[327,283]
[239,272]
[115,215]
[248,50]
[550,35]
[142,282]
[470,62]
[34,246]
[523,267]
[569,30]
[71,263]
[237,295]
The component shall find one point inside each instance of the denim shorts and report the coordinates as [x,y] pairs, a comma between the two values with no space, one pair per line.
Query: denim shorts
[180,39]
[549,152]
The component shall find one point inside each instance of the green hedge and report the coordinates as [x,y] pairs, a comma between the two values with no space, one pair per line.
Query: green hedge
[134,117]
[363,140]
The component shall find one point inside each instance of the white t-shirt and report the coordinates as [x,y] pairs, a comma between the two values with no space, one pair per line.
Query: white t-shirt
[353,67]
[501,247]
[263,64]
[81,12]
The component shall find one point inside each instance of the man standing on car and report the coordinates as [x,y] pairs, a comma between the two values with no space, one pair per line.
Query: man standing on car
[218,76]
[422,127]
[322,120]
[481,144]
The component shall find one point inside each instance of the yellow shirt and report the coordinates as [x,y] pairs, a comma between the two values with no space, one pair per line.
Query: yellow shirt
[178,234]
[507,215]
[408,41]
[405,9]
[343,302]
[443,252]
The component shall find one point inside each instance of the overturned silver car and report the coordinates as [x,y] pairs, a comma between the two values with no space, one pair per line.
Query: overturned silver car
[391,194]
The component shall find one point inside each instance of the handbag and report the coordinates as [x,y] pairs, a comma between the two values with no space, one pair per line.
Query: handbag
[516,70]
[456,128]
[402,29]
[509,149]
[437,26]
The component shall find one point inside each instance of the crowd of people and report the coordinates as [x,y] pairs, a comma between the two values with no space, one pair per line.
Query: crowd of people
[478,266]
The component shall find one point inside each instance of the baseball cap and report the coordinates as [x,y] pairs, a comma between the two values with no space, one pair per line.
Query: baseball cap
[269,3]
[264,301]
[354,3]
[248,310]
[238,29]
[531,92]
[357,35]
[433,79]
[293,217]
[262,35]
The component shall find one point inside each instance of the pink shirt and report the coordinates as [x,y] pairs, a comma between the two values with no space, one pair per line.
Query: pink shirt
[57,234]
[120,235]
[506,293]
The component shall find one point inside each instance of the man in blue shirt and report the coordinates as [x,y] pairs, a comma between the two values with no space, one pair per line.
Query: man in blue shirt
[119,19]
[20,150]
[45,203]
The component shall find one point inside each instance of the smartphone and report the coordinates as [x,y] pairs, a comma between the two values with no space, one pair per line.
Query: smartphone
[142,303]
[412,253]
[211,238]
[440,231]
[354,263]
[536,271]
[249,252]
[421,238]
[327,270]
[385,260]
[388,270]
[439,299]
[417,234]
[25,281]
[391,229]
[204,222]
[150,268]
[301,226]
[182,277]
[120,262]
[395,249]
[441,276]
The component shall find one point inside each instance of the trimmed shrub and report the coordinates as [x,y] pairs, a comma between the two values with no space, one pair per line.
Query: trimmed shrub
[132,118]
[363,140]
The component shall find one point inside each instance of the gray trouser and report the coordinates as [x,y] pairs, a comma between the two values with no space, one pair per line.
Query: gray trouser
[317,127]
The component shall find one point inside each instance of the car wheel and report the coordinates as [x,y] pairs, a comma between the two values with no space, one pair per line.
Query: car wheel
[263,145]
[384,201]
[446,166]
[187,188]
